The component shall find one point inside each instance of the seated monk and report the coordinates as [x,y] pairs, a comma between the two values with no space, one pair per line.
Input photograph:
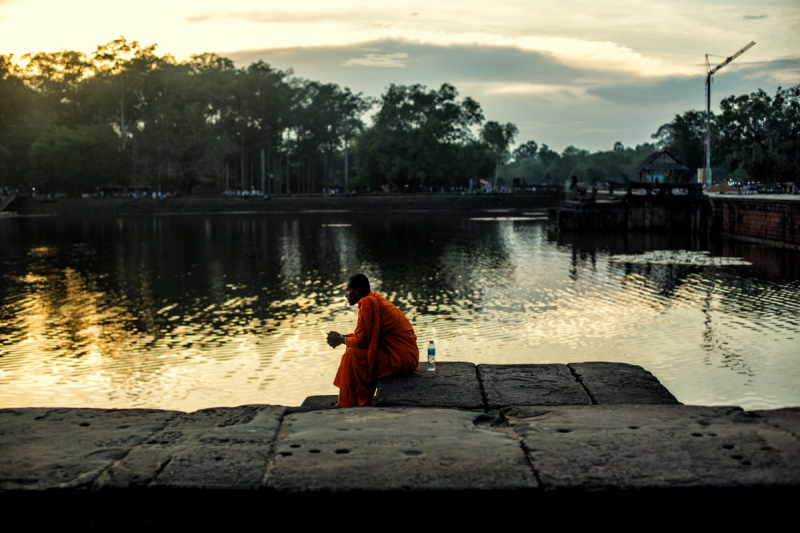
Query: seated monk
[384,344]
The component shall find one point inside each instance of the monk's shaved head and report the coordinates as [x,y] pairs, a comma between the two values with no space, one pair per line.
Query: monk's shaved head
[360,283]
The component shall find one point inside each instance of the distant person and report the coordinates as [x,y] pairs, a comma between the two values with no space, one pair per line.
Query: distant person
[574,191]
[384,344]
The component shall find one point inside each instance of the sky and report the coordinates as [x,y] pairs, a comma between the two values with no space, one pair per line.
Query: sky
[568,72]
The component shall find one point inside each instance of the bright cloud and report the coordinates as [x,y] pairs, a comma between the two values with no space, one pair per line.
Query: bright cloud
[378,60]
[562,67]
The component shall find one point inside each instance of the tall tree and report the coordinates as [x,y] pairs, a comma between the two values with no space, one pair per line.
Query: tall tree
[58,76]
[761,134]
[683,137]
[525,151]
[498,137]
[547,156]
[74,159]
[417,137]
[120,67]
[21,121]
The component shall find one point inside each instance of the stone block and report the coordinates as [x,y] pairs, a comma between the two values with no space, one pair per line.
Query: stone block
[787,419]
[224,448]
[450,385]
[316,403]
[367,449]
[621,383]
[42,448]
[551,384]
[655,447]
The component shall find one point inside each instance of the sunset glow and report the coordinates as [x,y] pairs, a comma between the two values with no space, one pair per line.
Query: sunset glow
[645,56]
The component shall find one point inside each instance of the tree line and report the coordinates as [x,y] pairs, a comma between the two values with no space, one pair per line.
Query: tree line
[127,116]
[71,122]
[755,139]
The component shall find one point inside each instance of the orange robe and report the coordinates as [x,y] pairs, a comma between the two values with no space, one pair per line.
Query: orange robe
[384,344]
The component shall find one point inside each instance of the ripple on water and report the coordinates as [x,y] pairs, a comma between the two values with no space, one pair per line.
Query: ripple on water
[244,316]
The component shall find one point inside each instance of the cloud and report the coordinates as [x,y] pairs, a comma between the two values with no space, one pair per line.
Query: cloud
[634,93]
[288,17]
[425,63]
[378,60]
[784,71]
[550,100]
[754,17]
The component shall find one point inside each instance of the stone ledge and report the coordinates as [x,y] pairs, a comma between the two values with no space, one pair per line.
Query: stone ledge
[656,447]
[396,449]
[212,448]
[68,448]
[454,385]
[404,466]
[458,385]
[621,383]
[550,384]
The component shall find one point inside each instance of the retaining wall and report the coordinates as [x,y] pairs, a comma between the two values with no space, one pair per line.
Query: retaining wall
[770,221]
[630,213]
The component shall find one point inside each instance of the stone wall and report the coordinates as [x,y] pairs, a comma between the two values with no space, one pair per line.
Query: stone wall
[631,213]
[769,221]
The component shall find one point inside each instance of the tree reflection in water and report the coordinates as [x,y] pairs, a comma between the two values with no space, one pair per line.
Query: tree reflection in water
[192,311]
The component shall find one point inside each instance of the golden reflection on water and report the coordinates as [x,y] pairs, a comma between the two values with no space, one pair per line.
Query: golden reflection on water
[192,312]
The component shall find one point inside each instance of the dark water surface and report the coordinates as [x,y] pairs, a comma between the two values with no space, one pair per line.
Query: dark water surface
[192,311]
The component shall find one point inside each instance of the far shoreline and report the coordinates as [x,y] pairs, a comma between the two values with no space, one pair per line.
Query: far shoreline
[287,204]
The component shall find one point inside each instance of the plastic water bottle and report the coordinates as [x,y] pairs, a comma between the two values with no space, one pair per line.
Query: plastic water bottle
[431,356]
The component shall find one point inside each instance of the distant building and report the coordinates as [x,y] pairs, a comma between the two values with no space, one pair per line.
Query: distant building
[660,167]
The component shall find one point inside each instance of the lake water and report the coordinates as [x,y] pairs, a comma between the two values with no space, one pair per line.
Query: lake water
[192,311]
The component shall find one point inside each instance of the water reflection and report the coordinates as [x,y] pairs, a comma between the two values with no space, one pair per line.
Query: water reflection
[195,311]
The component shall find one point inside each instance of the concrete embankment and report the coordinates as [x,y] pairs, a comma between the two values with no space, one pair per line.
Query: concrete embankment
[767,220]
[463,447]
[770,221]
[207,204]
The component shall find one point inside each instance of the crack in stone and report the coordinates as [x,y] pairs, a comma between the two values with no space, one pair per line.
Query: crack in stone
[483,390]
[143,441]
[273,449]
[510,428]
[579,379]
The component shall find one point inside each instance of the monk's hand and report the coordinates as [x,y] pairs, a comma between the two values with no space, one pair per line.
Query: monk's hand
[335,339]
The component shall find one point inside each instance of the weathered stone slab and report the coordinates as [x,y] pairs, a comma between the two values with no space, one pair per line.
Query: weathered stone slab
[395,449]
[621,383]
[551,384]
[450,385]
[43,448]
[787,419]
[212,448]
[315,403]
[654,446]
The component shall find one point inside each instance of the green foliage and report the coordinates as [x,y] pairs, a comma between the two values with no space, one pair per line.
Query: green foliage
[684,137]
[177,125]
[498,137]
[74,159]
[525,151]
[420,138]
[125,115]
[20,122]
[549,167]
[761,134]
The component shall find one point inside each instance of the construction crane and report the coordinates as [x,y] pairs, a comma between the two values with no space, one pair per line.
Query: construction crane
[711,72]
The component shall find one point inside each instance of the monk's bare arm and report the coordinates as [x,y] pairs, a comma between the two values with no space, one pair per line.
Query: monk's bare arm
[335,339]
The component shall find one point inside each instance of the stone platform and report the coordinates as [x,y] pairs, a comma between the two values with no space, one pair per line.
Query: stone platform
[466,446]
